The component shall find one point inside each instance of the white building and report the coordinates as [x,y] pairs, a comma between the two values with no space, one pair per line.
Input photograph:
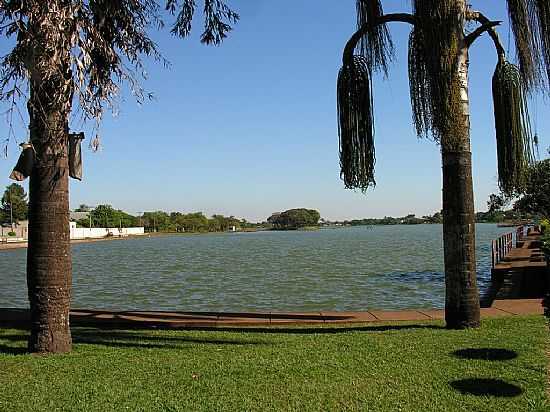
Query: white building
[102,232]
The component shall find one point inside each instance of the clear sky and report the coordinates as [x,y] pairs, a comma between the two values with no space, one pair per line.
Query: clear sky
[249,128]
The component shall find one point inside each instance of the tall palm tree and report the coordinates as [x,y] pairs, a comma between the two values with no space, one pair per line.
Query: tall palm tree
[438,74]
[79,51]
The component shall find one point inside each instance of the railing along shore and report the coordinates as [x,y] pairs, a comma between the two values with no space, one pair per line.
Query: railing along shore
[501,246]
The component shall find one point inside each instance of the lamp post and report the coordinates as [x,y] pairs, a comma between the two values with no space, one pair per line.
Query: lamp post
[11,209]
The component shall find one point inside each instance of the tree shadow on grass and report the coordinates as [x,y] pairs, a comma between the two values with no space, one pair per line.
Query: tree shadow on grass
[127,339]
[486,387]
[326,329]
[10,350]
[490,354]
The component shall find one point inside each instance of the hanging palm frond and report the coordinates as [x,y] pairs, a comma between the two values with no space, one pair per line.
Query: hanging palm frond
[524,22]
[356,124]
[543,14]
[376,46]
[433,67]
[419,85]
[513,131]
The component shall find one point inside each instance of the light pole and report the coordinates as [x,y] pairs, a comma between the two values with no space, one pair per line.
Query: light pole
[11,209]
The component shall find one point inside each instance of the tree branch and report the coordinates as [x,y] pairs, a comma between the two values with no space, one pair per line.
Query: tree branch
[472,37]
[387,18]
[486,26]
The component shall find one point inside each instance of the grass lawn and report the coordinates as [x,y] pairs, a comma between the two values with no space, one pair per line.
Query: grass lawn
[423,367]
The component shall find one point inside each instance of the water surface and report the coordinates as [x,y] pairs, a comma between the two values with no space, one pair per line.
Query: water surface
[356,268]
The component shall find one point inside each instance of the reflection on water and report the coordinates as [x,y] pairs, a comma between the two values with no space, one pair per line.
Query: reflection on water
[359,268]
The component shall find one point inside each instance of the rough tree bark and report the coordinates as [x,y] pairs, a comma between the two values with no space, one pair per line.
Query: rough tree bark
[49,275]
[461,295]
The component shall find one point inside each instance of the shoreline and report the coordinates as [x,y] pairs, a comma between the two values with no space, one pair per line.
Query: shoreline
[175,320]
[23,245]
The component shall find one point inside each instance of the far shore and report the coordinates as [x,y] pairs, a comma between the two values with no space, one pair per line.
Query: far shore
[23,245]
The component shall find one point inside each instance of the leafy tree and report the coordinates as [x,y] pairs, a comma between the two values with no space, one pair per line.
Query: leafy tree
[65,52]
[438,73]
[495,203]
[14,204]
[157,222]
[536,194]
[106,216]
[295,219]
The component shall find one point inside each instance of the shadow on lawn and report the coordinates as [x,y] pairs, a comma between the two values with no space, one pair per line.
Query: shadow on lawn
[128,339]
[10,350]
[490,354]
[319,330]
[123,339]
[486,387]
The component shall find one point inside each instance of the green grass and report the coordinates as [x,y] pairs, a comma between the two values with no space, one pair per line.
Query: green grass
[369,368]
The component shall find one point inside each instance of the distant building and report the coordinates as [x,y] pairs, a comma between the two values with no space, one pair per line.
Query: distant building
[76,216]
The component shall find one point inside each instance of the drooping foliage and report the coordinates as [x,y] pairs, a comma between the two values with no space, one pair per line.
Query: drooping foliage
[106,39]
[376,45]
[356,124]
[523,21]
[543,13]
[355,100]
[434,82]
[530,22]
[420,86]
[513,133]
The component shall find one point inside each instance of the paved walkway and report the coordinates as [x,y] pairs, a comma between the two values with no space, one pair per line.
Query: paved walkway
[175,320]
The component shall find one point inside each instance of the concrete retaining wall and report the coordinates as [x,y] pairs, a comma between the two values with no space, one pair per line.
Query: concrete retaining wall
[98,233]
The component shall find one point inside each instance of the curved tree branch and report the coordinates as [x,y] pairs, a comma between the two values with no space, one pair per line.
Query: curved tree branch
[387,18]
[473,36]
[486,26]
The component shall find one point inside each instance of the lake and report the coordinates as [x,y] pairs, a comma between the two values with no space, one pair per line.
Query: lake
[354,268]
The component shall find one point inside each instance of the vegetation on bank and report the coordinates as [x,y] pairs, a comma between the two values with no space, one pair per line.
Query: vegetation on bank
[160,221]
[501,366]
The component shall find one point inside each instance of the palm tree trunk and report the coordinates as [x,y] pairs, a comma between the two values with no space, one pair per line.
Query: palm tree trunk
[462,295]
[49,255]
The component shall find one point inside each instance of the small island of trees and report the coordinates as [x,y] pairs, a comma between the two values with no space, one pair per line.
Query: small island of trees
[293,219]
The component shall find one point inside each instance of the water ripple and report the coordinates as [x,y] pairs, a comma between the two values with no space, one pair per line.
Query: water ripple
[346,269]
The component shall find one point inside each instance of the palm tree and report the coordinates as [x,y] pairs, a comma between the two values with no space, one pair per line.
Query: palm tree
[75,51]
[438,75]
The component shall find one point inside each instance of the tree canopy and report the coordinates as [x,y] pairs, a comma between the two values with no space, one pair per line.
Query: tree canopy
[107,216]
[536,195]
[294,219]
[99,44]
[14,199]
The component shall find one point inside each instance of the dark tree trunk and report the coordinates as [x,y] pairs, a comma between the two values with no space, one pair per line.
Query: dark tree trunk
[49,275]
[461,295]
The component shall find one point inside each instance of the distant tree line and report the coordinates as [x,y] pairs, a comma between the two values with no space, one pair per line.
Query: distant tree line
[197,222]
[390,220]
[106,216]
[160,221]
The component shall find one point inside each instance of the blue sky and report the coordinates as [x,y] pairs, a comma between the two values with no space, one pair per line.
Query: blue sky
[249,128]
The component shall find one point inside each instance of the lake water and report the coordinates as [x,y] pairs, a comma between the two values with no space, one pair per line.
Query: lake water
[356,268]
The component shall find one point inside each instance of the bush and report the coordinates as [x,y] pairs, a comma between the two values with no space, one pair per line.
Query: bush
[545,225]
[11,234]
